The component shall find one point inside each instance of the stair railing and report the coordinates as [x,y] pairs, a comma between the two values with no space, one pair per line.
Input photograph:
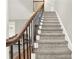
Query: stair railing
[25,38]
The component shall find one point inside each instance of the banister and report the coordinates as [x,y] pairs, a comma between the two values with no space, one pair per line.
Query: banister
[12,40]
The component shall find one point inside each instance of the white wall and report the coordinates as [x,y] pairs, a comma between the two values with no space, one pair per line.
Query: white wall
[7,53]
[64,9]
[18,24]
[19,9]
[49,5]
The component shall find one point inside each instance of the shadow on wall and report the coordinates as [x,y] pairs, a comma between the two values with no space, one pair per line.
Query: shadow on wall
[26,4]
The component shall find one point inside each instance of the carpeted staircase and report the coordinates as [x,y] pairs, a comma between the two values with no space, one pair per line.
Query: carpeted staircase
[52,43]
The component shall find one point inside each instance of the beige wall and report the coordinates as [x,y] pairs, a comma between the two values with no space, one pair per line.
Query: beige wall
[49,5]
[7,53]
[64,9]
[19,9]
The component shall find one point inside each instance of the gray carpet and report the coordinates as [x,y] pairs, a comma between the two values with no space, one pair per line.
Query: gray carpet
[52,43]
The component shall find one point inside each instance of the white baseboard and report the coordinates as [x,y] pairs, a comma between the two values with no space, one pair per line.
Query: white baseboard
[33,56]
[7,52]
[65,32]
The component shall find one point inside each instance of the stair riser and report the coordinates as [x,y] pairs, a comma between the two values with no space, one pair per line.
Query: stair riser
[51,24]
[52,38]
[49,15]
[53,57]
[48,37]
[54,43]
[50,18]
[52,35]
[53,51]
[43,26]
[50,29]
[56,28]
[51,21]
[54,13]
[51,46]
[53,28]
[42,31]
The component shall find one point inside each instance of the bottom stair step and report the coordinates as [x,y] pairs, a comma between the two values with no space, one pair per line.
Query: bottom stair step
[54,51]
[40,56]
[51,46]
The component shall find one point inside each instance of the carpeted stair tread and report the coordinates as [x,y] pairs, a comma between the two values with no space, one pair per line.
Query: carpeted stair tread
[52,41]
[54,51]
[41,56]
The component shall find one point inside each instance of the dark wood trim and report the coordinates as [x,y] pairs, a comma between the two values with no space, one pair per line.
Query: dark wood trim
[38,1]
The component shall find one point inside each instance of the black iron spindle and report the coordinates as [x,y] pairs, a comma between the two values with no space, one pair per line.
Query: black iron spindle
[32,34]
[23,47]
[11,51]
[19,50]
[27,43]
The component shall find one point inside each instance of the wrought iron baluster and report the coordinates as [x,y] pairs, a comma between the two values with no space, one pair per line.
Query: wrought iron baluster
[23,47]
[11,52]
[32,35]
[19,52]
[27,43]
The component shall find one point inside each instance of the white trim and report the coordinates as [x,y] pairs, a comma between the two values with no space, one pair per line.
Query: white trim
[40,27]
[35,45]
[7,52]
[41,23]
[41,20]
[37,37]
[64,31]
[39,31]
[33,55]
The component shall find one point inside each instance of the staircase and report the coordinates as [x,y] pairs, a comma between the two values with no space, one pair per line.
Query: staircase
[52,43]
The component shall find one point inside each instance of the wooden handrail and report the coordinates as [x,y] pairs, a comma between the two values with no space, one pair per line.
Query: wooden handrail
[12,40]
[38,1]
[12,37]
